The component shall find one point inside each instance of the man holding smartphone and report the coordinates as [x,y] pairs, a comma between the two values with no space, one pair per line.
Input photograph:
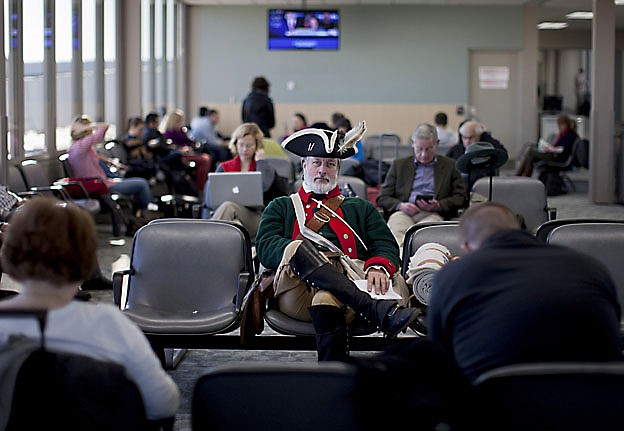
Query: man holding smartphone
[423,188]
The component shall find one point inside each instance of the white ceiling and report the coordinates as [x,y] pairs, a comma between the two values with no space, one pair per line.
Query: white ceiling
[549,10]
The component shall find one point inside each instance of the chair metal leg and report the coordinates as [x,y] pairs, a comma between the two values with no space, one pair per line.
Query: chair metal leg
[173,357]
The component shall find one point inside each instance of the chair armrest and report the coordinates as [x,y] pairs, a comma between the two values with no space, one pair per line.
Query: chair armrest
[244,284]
[118,279]
[58,191]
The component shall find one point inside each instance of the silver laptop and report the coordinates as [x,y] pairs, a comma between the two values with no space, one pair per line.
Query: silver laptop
[244,188]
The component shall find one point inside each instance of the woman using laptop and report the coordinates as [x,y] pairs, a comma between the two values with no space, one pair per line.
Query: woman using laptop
[248,149]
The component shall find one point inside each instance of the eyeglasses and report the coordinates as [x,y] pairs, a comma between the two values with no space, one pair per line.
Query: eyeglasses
[244,145]
[467,138]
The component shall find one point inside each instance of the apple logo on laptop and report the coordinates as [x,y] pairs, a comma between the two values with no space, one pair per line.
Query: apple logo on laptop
[235,190]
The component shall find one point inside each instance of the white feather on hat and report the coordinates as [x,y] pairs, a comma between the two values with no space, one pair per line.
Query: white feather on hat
[352,136]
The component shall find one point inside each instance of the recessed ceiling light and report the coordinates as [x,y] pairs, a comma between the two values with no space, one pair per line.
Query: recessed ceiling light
[619,2]
[551,25]
[580,15]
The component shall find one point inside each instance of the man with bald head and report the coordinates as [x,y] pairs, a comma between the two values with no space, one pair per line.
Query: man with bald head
[470,132]
[515,299]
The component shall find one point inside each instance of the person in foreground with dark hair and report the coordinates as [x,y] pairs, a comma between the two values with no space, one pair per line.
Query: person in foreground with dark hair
[49,248]
[515,299]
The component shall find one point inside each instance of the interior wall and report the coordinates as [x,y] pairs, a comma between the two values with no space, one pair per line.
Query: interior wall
[400,119]
[398,55]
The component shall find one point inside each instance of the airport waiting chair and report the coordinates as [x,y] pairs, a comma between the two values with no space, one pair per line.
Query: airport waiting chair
[43,176]
[284,168]
[276,396]
[186,283]
[601,239]
[551,396]
[117,205]
[442,232]
[353,185]
[546,228]
[17,183]
[384,148]
[524,196]
[60,390]
[578,158]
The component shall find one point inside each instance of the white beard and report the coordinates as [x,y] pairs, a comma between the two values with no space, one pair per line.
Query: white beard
[320,188]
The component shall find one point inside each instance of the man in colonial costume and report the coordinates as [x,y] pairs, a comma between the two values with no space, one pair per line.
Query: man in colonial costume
[319,241]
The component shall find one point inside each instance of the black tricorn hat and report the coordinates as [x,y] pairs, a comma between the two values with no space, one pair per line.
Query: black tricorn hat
[324,143]
[481,155]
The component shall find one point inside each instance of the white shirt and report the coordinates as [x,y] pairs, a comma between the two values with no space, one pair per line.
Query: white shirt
[102,332]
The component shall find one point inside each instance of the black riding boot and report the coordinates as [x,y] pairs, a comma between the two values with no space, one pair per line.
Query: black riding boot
[387,315]
[331,332]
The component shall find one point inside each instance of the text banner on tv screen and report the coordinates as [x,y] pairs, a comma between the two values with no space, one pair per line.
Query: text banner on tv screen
[303,29]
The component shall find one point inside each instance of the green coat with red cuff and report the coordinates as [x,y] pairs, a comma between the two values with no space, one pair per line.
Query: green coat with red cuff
[278,227]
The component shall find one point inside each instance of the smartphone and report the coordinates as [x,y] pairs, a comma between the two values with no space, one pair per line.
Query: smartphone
[425,198]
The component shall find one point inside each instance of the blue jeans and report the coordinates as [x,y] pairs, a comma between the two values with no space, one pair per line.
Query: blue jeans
[138,187]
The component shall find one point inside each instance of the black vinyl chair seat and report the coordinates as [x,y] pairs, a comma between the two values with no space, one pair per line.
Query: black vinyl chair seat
[601,239]
[283,324]
[552,396]
[167,322]
[277,396]
[187,278]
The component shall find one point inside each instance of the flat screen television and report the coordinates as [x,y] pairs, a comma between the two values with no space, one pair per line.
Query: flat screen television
[290,29]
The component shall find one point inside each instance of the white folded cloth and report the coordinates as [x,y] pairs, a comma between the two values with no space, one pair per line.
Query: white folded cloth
[424,263]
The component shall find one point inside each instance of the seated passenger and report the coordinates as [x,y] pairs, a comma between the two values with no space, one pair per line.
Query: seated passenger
[140,159]
[514,299]
[204,131]
[470,132]
[247,145]
[172,127]
[447,137]
[168,159]
[85,162]
[309,286]
[49,249]
[558,151]
[421,188]
[297,122]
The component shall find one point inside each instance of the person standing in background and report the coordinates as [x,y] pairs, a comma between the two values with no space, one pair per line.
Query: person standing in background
[581,84]
[258,106]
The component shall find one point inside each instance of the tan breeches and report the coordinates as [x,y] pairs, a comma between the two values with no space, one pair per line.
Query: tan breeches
[294,297]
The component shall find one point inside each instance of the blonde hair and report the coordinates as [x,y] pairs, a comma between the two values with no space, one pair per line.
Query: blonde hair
[244,130]
[81,127]
[172,121]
